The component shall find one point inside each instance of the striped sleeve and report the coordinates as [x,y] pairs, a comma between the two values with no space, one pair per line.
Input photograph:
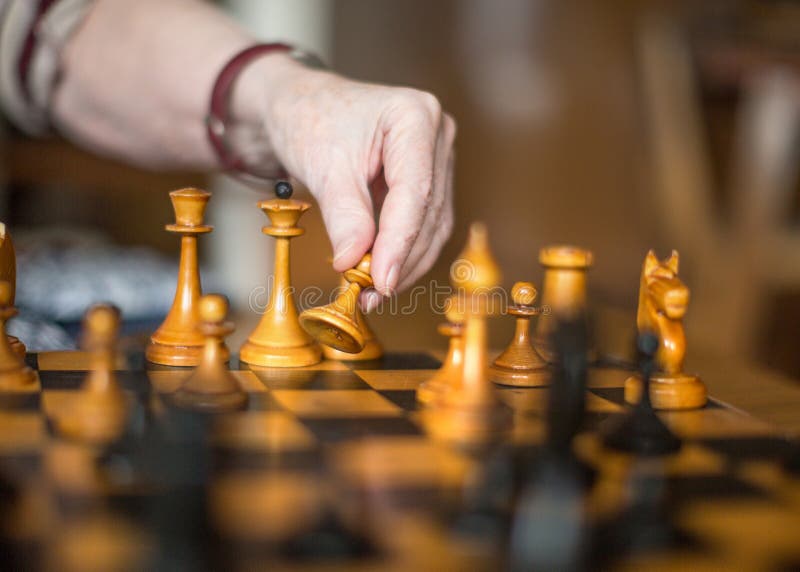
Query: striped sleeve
[32,34]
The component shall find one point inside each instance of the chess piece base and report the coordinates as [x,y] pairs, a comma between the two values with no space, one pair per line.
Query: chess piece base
[179,356]
[294,356]
[332,329]
[17,346]
[669,391]
[640,431]
[538,377]
[372,350]
[94,418]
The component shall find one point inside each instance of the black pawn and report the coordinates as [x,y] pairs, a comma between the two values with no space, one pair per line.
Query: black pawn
[566,403]
[176,457]
[549,529]
[283,189]
[639,430]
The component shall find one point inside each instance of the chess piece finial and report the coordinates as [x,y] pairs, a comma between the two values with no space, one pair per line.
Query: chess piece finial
[99,411]
[336,325]
[372,347]
[211,387]
[177,341]
[663,301]
[448,377]
[8,272]
[472,415]
[278,340]
[519,364]
[283,190]
[563,292]
[14,374]
[523,294]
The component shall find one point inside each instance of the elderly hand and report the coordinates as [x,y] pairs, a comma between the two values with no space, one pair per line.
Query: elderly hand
[363,149]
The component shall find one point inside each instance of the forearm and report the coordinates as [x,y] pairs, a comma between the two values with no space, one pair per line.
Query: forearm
[138,89]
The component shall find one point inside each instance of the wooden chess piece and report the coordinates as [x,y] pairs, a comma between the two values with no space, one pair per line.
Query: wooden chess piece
[211,387]
[337,325]
[14,374]
[278,340]
[372,347]
[663,301]
[519,364]
[563,292]
[8,272]
[448,377]
[472,415]
[177,341]
[99,412]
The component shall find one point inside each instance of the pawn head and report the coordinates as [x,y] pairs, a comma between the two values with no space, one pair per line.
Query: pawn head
[213,308]
[101,323]
[523,293]
[283,189]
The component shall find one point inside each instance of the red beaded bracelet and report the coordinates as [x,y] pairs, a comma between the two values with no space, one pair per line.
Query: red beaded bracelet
[218,115]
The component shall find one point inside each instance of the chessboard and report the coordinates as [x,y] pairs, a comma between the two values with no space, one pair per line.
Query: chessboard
[330,466]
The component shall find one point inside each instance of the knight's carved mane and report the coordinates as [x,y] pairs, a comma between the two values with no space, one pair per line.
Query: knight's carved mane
[672,343]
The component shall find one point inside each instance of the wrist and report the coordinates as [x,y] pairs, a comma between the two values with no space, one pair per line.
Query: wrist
[236,121]
[255,86]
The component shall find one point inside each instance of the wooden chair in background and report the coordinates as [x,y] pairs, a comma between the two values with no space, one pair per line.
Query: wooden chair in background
[737,253]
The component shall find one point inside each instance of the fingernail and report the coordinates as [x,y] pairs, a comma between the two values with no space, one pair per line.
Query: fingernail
[373,299]
[391,281]
[341,252]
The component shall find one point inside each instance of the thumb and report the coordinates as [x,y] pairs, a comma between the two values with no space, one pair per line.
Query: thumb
[348,214]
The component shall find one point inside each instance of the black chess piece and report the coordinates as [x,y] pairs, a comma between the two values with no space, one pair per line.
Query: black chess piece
[175,455]
[283,189]
[566,408]
[640,431]
[567,395]
[549,529]
[329,540]
[485,507]
[118,461]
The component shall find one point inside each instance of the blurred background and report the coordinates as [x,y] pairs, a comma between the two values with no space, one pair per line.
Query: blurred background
[617,126]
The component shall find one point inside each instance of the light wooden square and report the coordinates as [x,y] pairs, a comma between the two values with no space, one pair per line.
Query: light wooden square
[336,403]
[396,379]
